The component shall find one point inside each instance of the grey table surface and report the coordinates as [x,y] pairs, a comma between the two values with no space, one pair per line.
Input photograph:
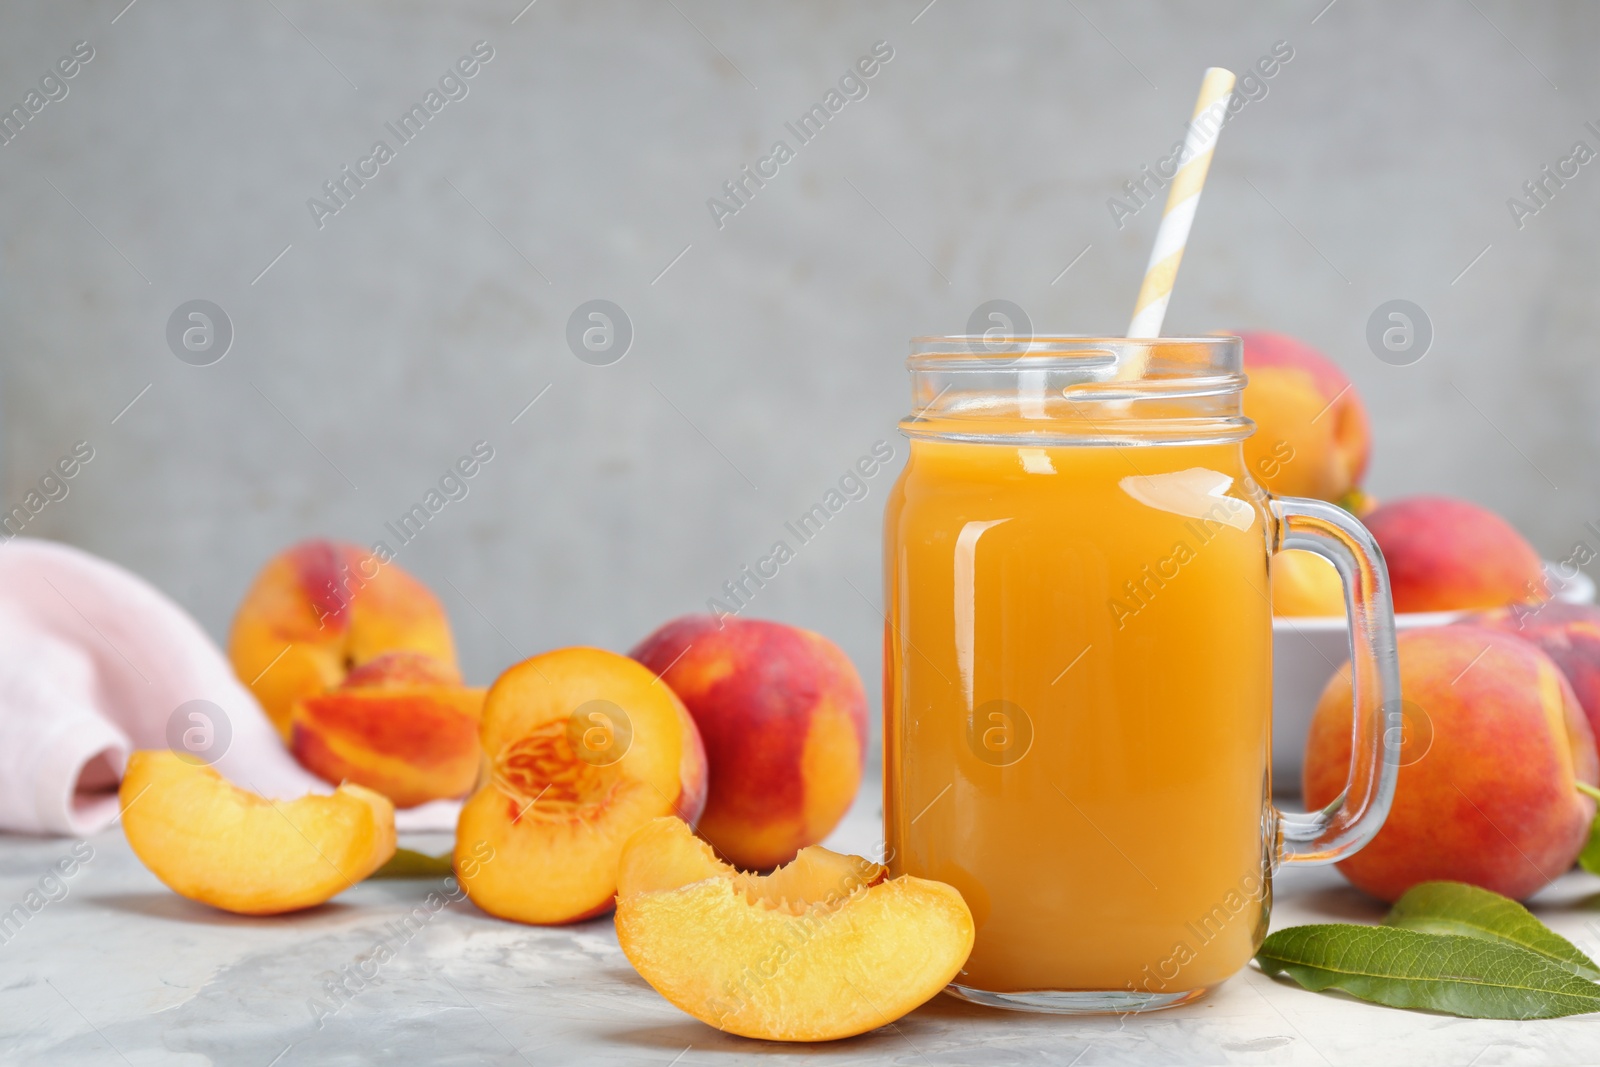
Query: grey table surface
[120,970]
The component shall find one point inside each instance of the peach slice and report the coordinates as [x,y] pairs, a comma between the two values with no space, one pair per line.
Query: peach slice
[823,948]
[399,724]
[321,608]
[211,841]
[584,747]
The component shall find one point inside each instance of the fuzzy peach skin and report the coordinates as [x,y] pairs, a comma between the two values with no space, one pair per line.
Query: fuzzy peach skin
[1312,435]
[1303,583]
[211,841]
[1446,554]
[320,609]
[584,747]
[400,724]
[784,718]
[1494,743]
[1568,633]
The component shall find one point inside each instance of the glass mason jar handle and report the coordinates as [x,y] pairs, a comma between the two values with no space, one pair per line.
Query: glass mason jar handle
[1355,816]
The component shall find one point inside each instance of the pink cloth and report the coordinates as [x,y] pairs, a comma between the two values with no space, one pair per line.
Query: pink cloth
[96,662]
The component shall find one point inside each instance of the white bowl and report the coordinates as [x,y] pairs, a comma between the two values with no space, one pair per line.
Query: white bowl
[1306,652]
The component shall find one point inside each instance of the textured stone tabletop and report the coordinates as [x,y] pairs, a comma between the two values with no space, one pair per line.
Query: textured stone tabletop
[121,970]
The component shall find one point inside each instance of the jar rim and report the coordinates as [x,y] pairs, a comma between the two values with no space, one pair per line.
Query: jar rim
[982,349]
[1077,389]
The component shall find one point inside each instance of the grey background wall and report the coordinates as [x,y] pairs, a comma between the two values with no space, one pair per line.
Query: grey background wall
[766,357]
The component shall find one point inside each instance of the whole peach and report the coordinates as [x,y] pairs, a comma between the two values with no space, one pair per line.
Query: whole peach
[1303,583]
[1446,554]
[784,718]
[1494,742]
[1568,633]
[1312,436]
[319,609]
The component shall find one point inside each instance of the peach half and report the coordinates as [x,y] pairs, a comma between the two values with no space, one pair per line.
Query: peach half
[584,747]
[824,947]
[320,609]
[400,724]
[211,841]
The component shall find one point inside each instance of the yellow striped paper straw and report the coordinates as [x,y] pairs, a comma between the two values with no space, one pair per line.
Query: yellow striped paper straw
[1210,111]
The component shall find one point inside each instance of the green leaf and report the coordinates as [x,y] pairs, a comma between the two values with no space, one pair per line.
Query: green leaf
[408,864]
[1453,973]
[1457,908]
[1589,858]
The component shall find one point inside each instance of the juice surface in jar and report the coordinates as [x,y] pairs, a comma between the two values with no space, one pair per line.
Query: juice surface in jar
[1077,707]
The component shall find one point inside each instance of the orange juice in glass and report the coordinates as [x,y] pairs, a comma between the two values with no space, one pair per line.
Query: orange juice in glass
[1077,678]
